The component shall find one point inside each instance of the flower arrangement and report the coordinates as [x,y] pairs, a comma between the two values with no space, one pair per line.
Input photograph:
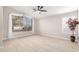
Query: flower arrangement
[72,23]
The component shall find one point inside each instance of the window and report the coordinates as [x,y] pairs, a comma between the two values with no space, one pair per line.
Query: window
[21,23]
[65,28]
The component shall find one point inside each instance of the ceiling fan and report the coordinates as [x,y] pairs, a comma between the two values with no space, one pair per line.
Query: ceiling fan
[40,9]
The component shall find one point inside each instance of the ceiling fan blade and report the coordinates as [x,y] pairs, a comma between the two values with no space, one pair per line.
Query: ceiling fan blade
[41,7]
[38,7]
[43,10]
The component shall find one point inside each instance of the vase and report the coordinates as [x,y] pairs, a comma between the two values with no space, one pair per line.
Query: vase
[72,38]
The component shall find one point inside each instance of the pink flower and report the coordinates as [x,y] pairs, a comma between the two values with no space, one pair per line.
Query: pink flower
[72,23]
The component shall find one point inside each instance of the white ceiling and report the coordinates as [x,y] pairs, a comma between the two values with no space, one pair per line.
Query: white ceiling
[51,10]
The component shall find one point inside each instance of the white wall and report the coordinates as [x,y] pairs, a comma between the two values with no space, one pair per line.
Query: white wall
[1,25]
[49,25]
[7,11]
[52,25]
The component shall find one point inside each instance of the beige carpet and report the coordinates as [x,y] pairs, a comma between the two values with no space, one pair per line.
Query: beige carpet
[38,43]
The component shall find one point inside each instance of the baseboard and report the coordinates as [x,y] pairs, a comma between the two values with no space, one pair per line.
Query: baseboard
[54,36]
[18,36]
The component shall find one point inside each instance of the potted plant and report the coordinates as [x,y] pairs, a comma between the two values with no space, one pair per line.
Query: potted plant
[72,23]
